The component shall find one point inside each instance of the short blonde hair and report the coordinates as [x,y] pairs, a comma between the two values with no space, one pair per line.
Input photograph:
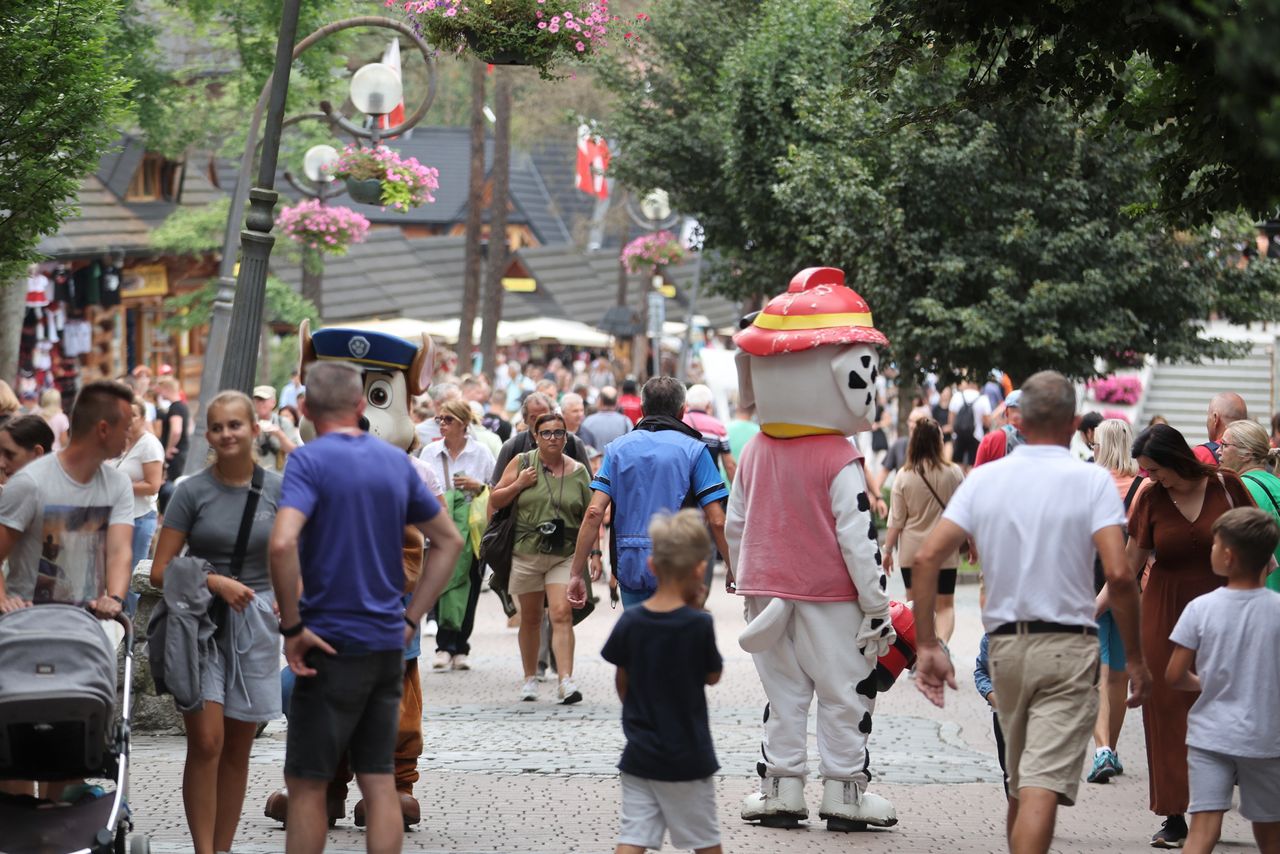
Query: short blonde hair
[679,542]
[459,409]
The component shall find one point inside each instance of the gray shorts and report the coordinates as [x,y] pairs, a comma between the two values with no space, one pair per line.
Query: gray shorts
[652,807]
[244,674]
[1214,775]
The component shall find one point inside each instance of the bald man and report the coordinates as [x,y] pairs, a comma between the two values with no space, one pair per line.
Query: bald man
[1225,408]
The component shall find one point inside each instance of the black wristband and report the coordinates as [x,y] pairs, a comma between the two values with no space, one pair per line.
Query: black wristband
[119,599]
[410,621]
[292,631]
[595,553]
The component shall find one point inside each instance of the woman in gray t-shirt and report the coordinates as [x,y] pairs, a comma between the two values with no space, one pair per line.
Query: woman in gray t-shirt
[240,685]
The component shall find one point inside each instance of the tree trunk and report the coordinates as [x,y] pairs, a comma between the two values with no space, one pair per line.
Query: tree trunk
[622,268]
[475,221]
[313,278]
[497,220]
[13,296]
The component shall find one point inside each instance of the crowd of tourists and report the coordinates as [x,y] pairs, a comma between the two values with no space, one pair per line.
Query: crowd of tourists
[592,470]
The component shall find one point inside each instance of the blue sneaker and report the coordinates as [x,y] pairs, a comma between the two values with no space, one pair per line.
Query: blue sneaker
[1104,767]
[1115,760]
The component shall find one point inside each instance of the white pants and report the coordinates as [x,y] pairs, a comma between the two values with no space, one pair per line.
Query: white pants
[816,654]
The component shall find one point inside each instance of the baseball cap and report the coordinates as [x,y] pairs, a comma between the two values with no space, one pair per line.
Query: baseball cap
[264,392]
[1014,399]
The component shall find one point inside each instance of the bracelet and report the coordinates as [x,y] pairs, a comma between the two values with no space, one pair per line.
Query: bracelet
[119,599]
[595,553]
[410,621]
[292,631]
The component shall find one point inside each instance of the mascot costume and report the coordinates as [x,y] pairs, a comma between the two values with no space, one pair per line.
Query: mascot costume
[395,372]
[805,554]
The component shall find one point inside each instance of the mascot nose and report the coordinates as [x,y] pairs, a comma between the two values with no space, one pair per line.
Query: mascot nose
[364,424]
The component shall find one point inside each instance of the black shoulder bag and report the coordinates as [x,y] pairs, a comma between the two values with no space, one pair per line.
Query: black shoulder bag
[496,545]
[218,609]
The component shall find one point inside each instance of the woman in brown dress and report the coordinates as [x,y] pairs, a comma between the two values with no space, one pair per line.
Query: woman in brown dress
[1171,522]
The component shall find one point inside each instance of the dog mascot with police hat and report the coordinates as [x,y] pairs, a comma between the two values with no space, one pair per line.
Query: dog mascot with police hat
[395,371]
[803,545]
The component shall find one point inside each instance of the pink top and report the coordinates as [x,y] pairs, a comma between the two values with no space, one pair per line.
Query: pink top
[789,546]
[704,423]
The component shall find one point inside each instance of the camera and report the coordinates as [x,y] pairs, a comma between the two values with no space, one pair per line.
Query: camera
[552,533]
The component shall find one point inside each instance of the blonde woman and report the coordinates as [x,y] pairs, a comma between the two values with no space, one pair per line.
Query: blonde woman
[1247,451]
[51,411]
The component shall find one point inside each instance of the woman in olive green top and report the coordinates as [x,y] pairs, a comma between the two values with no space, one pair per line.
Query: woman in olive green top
[1247,451]
[551,492]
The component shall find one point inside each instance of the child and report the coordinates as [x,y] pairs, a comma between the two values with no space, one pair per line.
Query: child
[987,690]
[1231,636]
[665,652]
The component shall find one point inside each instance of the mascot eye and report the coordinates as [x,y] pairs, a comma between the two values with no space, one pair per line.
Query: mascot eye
[379,394]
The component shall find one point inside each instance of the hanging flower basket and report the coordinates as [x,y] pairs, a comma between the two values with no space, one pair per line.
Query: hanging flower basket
[652,250]
[378,176]
[536,33]
[317,226]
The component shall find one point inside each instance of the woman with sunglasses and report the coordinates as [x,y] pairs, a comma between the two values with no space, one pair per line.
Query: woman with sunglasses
[551,491]
[463,466]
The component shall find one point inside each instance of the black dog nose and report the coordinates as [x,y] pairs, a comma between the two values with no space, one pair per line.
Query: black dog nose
[364,424]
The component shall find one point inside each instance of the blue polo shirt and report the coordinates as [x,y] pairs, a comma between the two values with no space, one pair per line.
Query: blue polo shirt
[358,493]
[644,473]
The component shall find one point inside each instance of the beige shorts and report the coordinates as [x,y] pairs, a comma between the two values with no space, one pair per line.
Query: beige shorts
[1047,701]
[532,573]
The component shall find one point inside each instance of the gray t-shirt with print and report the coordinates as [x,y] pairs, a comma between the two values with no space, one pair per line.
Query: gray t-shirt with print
[1235,635]
[209,512]
[62,553]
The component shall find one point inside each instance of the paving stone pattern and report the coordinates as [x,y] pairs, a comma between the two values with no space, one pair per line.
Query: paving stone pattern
[499,775]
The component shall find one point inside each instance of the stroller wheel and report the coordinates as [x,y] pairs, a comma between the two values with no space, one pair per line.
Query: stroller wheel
[140,844]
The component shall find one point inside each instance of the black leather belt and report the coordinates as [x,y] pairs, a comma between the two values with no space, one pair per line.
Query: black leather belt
[1040,627]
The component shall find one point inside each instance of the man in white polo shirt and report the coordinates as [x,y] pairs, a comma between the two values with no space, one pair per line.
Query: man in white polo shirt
[1037,516]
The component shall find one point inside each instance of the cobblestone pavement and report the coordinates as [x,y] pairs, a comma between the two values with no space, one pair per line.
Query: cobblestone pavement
[499,775]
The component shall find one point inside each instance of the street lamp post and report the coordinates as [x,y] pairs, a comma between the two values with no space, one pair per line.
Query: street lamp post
[232,344]
[654,214]
[318,186]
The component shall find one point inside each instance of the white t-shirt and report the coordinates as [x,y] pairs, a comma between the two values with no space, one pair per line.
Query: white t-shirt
[981,408]
[62,553]
[1239,700]
[146,450]
[1033,515]
[475,461]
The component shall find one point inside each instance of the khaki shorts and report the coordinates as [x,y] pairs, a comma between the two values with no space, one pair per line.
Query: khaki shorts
[1047,701]
[532,573]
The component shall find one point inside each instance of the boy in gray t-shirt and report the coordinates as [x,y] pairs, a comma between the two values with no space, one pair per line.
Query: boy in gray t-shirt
[1231,731]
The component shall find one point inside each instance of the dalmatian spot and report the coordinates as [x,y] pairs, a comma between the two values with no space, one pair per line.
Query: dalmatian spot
[884,632]
[866,765]
[871,530]
[856,380]
[868,398]
[866,363]
[868,687]
[864,505]
[884,582]
[876,622]
[864,726]
[879,558]
[766,713]
[761,769]
[862,650]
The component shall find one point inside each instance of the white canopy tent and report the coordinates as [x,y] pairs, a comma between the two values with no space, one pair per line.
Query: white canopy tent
[569,332]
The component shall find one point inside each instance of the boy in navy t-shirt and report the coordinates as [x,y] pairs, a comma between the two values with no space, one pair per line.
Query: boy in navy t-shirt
[666,652]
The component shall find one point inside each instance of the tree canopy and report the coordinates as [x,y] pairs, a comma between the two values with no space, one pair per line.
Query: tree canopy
[1007,234]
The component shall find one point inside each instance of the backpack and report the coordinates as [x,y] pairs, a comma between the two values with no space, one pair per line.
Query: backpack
[1215,449]
[1012,439]
[965,423]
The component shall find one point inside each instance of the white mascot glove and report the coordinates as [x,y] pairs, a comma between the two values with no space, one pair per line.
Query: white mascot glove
[876,635]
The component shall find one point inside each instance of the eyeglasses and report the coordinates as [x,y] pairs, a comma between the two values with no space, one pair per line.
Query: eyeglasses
[444,420]
[1223,443]
[552,434]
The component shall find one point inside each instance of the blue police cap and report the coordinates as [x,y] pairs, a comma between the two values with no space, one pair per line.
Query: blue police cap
[364,347]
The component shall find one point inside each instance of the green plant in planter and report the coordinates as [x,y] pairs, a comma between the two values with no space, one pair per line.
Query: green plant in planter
[537,33]
[403,184]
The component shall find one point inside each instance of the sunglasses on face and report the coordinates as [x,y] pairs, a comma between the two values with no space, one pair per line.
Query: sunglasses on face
[445,420]
[552,434]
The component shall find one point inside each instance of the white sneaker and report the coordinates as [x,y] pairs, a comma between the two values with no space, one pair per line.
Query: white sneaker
[431,628]
[530,690]
[568,692]
[460,662]
[442,661]
[847,807]
[779,803]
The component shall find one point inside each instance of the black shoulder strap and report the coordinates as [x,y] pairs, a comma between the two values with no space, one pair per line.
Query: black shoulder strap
[1264,489]
[1133,490]
[932,491]
[246,521]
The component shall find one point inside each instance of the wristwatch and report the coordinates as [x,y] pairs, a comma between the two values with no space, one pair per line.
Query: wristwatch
[119,599]
[595,553]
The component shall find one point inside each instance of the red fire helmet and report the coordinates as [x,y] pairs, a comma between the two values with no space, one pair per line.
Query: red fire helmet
[817,309]
[903,652]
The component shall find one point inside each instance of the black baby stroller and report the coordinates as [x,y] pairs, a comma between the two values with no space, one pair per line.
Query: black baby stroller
[57,722]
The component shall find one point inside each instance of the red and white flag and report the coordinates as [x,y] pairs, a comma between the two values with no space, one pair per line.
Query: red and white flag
[391,59]
[593,160]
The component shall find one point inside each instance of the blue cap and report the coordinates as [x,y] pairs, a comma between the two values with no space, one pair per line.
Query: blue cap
[363,347]
[1014,399]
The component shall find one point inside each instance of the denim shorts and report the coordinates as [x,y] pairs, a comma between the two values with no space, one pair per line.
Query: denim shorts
[1112,647]
[351,704]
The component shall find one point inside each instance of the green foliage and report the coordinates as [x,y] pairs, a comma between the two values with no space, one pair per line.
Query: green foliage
[1008,236]
[61,92]
[194,308]
[1195,79]
[193,230]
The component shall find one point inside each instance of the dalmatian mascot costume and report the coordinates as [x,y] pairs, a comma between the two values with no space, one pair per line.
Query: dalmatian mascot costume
[803,545]
[395,371]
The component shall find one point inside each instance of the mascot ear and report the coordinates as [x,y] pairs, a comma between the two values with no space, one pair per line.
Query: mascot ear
[746,391]
[423,367]
[307,354]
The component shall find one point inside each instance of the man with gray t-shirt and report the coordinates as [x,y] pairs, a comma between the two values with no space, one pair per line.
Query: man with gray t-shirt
[66,520]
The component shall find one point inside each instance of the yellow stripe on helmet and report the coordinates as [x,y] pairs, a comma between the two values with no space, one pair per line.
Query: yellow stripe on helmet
[793,322]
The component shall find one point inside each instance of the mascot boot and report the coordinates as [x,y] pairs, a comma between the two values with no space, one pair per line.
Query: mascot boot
[779,803]
[848,806]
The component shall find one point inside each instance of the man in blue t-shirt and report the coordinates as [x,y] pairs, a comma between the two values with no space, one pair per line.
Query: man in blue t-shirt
[346,499]
[661,465]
